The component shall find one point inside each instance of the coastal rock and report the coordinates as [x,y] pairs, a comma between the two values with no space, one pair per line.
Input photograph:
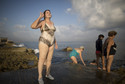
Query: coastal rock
[121,71]
[14,58]
[30,50]
[67,49]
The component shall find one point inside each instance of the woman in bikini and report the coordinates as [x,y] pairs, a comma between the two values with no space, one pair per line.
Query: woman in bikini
[46,43]
[75,52]
[109,49]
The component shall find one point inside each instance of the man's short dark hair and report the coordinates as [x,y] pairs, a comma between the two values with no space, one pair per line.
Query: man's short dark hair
[101,35]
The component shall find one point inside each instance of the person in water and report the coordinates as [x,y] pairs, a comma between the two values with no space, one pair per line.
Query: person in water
[46,43]
[109,49]
[99,49]
[75,52]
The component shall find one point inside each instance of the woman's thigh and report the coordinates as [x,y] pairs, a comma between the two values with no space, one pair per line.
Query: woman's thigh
[43,50]
[73,58]
[50,53]
[110,60]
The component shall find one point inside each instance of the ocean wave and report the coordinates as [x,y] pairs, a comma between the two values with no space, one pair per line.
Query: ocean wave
[20,45]
[36,51]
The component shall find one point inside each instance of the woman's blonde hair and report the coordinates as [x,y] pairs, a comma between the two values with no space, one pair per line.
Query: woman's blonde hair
[81,47]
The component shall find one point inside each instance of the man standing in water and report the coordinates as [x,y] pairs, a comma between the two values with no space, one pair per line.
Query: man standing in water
[99,50]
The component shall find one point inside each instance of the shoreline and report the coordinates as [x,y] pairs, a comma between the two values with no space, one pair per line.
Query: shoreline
[64,73]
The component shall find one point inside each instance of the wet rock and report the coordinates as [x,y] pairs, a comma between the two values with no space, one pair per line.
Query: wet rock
[120,71]
[67,49]
[29,50]
[14,58]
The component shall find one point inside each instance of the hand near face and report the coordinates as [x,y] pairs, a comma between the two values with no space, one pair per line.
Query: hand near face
[41,15]
[56,46]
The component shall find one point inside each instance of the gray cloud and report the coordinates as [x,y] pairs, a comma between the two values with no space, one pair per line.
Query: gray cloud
[5,19]
[68,10]
[18,32]
[24,36]
[2,24]
[75,33]
[19,26]
[98,17]
[101,14]
[3,29]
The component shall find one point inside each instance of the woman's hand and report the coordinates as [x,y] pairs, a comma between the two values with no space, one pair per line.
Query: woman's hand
[37,23]
[56,46]
[41,15]
[84,64]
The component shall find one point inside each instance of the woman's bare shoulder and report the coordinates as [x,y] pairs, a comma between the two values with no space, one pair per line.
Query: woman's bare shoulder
[43,22]
[78,50]
[110,42]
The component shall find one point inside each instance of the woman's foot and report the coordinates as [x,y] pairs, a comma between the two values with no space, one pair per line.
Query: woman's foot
[40,81]
[104,69]
[99,68]
[49,77]
[93,63]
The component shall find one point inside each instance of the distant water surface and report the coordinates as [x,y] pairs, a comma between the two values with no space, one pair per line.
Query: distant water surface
[88,54]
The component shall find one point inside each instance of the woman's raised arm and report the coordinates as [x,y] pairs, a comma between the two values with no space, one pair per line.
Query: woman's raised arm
[37,23]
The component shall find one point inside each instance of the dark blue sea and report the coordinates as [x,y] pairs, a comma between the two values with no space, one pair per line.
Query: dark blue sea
[88,54]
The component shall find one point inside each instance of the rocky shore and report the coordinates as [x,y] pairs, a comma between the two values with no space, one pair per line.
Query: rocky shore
[64,73]
[15,58]
[18,66]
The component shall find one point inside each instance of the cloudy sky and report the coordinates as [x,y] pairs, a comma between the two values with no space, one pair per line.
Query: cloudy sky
[75,20]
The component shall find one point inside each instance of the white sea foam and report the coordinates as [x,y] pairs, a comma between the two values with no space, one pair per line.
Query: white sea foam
[20,45]
[36,51]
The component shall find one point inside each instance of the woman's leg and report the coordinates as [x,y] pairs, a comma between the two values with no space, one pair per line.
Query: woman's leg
[103,63]
[109,62]
[98,55]
[43,50]
[73,58]
[48,60]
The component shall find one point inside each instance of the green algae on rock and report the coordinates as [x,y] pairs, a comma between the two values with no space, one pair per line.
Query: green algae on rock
[14,58]
[67,49]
